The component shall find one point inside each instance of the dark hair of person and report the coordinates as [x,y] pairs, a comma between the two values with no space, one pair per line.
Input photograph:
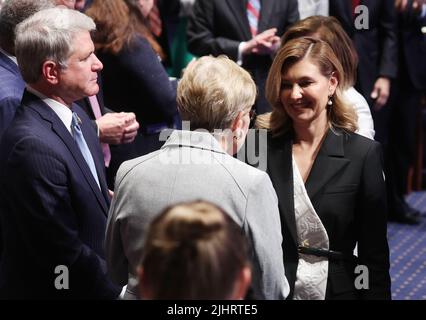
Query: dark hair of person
[117,24]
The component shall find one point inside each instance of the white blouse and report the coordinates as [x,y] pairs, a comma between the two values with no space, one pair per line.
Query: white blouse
[312,271]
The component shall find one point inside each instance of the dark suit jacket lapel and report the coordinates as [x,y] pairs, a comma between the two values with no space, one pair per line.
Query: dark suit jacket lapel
[238,8]
[58,127]
[329,162]
[281,172]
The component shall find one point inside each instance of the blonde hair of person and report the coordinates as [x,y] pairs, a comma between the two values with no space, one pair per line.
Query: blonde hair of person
[329,30]
[213,91]
[194,250]
[339,114]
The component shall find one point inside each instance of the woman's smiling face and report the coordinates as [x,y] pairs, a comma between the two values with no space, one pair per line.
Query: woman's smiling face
[305,91]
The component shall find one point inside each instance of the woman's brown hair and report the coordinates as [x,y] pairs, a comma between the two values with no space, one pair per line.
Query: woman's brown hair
[117,23]
[340,115]
[329,30]
[193,251]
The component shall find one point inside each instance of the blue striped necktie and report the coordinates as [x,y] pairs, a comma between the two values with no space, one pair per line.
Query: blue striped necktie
[253,12]
[81,142]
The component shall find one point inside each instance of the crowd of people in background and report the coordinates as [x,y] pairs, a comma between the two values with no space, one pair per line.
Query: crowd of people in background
[122,123]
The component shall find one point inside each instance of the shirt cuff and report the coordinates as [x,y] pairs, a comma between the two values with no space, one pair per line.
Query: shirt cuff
[97,128]
[240,54]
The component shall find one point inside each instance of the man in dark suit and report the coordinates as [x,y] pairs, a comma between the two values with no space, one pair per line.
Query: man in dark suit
[376,43]
[12,85]
[10,90]
[53,194]
[113,128]
[222,27]
[169,14]
[404,116]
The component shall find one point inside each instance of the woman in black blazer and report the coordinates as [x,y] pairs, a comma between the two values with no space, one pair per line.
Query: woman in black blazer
[328,179]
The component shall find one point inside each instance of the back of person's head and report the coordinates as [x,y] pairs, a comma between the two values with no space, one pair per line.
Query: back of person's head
[194,251]
[329,30]
[14,12]
[213,91]
[340,115]
[48,35]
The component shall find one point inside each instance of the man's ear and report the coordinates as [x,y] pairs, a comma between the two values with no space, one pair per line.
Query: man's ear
[50,71]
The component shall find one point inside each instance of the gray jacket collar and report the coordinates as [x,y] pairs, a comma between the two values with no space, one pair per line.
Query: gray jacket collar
[194,139]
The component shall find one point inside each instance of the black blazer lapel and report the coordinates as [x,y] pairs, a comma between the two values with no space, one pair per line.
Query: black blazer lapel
[281,173]
[58,127]
[329,162]
[238,8]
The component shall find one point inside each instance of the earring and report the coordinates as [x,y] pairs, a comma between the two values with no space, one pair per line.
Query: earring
[238,135]
[330,101]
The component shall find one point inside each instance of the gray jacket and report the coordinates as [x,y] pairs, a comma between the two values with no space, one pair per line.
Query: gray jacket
[190,166]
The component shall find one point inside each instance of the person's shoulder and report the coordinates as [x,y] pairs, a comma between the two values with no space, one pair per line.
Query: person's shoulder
[243,174]
[278,141]
[352,96]
[129,170]
[355,138]
[11,84]
[358,145]
[138,42]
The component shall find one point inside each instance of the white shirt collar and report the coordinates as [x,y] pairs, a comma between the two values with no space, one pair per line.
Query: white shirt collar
[62,111]
[13,58]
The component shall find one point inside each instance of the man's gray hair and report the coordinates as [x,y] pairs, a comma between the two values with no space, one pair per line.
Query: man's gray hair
[48,35]
[14,12]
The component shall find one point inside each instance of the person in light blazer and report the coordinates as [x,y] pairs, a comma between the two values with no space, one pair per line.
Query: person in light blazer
[215,97]
[328,179]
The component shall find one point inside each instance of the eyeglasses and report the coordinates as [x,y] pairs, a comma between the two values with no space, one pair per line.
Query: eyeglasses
[253,116]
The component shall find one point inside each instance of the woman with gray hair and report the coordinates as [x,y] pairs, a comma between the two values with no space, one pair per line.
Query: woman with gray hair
[215,97]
